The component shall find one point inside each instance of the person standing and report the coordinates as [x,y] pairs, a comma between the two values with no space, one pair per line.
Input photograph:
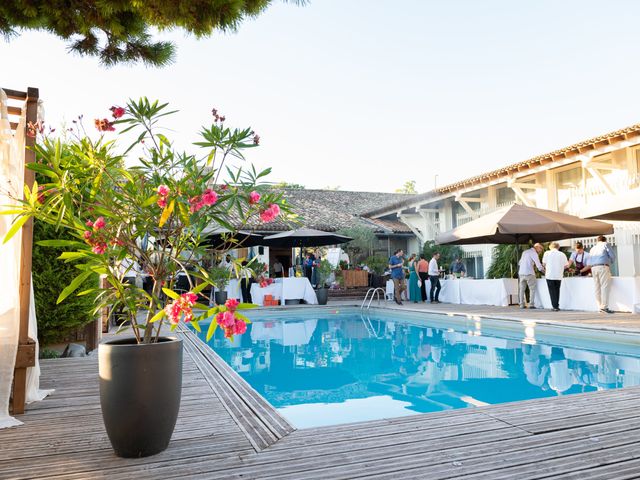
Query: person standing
[458,268]
[423,273]
[526,274]
[414,290]
[601,257]
[580,259]
[396,264]
[278,268]
[554,262]
[434,278]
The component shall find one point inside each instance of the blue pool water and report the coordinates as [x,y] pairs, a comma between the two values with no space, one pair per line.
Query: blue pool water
[323,367]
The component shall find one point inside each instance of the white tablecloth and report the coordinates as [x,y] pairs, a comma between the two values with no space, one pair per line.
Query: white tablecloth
[578,293]
[285,289]
[477,292]
[233,289]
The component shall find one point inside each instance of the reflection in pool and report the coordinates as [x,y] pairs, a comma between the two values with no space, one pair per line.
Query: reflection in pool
[330,368]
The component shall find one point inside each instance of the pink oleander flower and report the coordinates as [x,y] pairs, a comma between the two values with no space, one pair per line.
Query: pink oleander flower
[173,311]
[87,234]
[41,194]
[226,319]
[117,112]
[99,248]
[99,224]
[189,297]
[209,197]
[270,213]
[254,197]
[239,327]
[89,223]
[163,190]
[196,204]
[232,304]
[162,202]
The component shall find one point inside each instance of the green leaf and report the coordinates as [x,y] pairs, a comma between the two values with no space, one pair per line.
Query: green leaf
[246,306]
[60,243]
[71,256]
[242,317]
[17,225]
[73,286]
[158,316]
[201,286]
[212,329]
[196,325]
[174,326]
[200,306]
[150,201]
[170,293]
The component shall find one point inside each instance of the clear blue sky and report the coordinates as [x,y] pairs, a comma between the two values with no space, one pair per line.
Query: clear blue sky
[367,94]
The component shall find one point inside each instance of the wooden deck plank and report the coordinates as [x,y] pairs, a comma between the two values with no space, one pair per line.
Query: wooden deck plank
[227,430]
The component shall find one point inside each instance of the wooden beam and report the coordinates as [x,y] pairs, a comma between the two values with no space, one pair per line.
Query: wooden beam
[14,110]
[20,373]
[15,94]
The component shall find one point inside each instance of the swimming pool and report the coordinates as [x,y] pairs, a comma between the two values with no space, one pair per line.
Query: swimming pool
[326,366]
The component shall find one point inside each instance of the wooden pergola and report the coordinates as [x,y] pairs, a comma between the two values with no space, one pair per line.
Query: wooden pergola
[26,354]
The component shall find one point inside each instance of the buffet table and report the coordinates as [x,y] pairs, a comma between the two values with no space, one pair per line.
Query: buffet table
[477,292]
[578,293]
[285,289]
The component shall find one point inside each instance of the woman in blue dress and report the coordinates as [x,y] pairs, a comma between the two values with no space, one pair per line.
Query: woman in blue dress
[414,290]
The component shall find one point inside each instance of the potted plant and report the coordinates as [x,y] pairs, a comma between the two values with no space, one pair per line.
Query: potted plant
[220,277]
[324,270]
[150,216]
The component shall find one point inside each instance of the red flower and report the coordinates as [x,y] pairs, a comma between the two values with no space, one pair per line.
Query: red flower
[99,223]
[104,125]
[99,248]
[117,112]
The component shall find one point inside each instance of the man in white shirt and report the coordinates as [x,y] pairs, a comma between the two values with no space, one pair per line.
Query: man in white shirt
[434,278]
[554,262]
[527,275]
[600,259]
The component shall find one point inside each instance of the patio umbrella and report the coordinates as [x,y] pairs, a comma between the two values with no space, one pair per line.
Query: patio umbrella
[624,207]
[520,224]
[304,237]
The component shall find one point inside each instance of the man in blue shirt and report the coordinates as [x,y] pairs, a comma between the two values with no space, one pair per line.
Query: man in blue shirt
[396,264]
[458,268]
[600,259]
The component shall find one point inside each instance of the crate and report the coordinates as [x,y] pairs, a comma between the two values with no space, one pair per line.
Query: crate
[355,278]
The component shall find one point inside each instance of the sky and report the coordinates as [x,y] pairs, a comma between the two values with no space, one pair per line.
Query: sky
[366,95]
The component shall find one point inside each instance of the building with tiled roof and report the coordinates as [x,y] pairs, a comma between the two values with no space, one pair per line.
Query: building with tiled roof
[573,179]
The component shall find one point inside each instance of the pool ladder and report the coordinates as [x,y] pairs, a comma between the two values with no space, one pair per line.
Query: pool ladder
[374,292]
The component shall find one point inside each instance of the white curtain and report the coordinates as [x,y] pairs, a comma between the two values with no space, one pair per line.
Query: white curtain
[11,182]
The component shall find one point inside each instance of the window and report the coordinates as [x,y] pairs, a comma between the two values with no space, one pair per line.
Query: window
[505,196]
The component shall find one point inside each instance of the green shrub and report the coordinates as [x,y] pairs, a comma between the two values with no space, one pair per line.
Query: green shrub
[50,276]
[448,253]
[47,353]
[377,263]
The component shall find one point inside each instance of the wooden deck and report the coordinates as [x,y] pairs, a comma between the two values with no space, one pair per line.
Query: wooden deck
[226,431]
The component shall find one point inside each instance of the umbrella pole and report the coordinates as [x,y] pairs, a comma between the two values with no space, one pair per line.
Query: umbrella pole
[517,249]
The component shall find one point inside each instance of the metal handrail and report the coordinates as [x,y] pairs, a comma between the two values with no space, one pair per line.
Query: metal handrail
[373,292]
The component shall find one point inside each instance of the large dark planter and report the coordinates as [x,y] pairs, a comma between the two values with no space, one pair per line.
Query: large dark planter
[323,295]
[220,297]
[140,389]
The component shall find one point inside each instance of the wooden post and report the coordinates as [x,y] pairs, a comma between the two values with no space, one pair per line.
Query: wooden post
[26,346]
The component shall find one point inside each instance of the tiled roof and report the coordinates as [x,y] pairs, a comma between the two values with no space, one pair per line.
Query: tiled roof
[332,210]
[547,158]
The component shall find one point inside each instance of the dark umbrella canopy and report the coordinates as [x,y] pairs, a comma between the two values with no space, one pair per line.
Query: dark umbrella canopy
[520,224]
[223,239]
[304,237]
